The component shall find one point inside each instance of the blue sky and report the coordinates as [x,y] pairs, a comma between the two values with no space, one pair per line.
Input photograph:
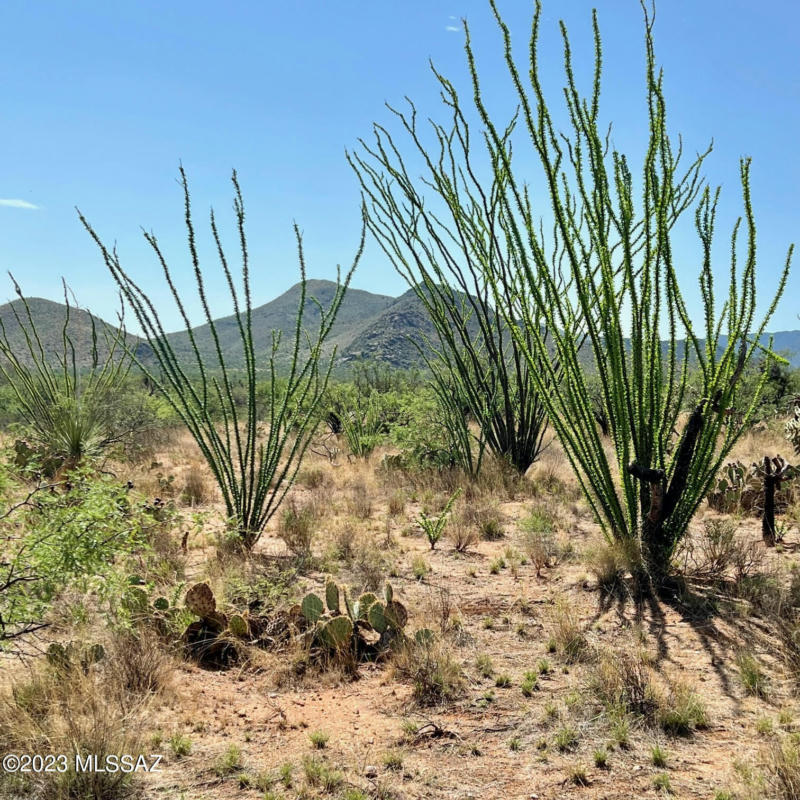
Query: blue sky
[100,101]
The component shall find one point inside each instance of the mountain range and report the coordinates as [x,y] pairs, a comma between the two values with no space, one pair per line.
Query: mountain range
[369,326]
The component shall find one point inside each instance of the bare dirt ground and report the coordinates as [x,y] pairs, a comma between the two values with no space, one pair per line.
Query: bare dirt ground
[247,729]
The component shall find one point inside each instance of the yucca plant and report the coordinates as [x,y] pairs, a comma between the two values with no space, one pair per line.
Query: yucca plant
[64,396]
[253,467]
[597,294]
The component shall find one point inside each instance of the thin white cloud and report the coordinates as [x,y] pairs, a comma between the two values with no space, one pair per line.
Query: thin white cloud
[452,28]
[13,202]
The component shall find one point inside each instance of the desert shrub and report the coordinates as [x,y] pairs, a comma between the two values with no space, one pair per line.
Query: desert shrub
[361,425]
[311,477]
[397,503]
[369,566]
[435,676]
[69,534]
[254,465]
[462,536]
[487,520]
[137,666]
[359,501]
[432,436]
[599,284]
[539,540]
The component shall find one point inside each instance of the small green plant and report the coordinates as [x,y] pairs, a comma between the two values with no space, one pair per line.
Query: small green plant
[229,761]
[662,783]
[496,564]
[393,760]
[543,666]
[180,744]
[578,776]
[285,774]
[515,744]
[319,739]
[484,664]
[752,676]
[765,726]
[601,758]
[419,567]
[319,773]
[529,684]
[503,681]
[434,528]
[682,711]
[620,730]
[658,756]
[566,738]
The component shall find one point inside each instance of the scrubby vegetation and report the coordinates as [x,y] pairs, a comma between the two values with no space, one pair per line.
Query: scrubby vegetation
[291,583]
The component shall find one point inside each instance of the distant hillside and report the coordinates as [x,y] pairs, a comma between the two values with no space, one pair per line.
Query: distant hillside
[358,309]
[369,326]
[49,319]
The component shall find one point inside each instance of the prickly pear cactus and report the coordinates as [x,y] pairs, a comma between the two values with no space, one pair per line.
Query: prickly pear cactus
[362,606]
[377,618]
[312,608]
[332,596]
[737,488]
[238,626]
[337,633]
[161,604]
[200,600]
[396,615]
[353,626]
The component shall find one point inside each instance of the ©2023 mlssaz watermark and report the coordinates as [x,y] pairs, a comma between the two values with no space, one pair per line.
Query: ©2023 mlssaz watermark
[111,763]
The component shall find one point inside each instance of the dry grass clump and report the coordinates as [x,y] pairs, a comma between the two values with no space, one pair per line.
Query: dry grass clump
[609,563]
[397,503]
[625,683]
[623,680]
[312,477]
[369,565]
[359,501]
[298,527]
[719,553]
[461,536]
[681,710]
[539,540]
[69,712]
[345,539]
[486,520]
[568,636]
[435,676]
[781,765]
[137,666]
[197,488]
